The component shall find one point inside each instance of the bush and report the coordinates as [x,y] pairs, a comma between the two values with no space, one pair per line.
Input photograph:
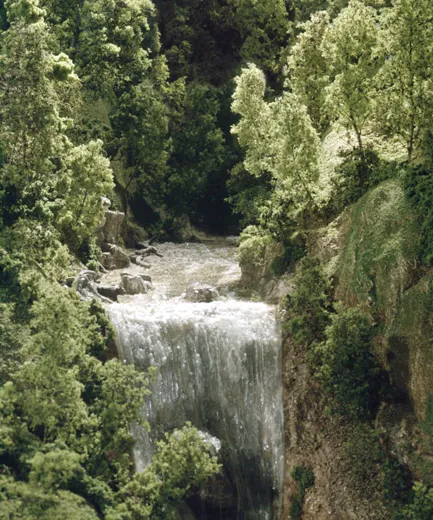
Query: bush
[304,476]
[358,173]
[309,306]
[397,481]
[253,244]
[294,250]
[422,506]
[418,185]
[350,374]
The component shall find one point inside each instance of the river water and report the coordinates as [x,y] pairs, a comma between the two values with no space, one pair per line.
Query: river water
[219,367]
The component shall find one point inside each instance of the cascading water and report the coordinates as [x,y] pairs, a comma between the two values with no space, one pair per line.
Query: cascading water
[219,367]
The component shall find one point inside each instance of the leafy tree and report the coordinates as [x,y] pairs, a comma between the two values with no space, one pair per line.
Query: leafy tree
[404,101]
[140,142]
[182,462]
[308,68]
[348,49]
[115,44]
[199,153]
[45,176]
[278,136]
[264,28]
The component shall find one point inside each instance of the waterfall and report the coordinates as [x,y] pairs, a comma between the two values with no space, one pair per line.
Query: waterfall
[219,367]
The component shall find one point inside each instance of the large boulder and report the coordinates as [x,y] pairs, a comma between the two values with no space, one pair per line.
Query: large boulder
[113,226]
[120,258]
[202,293]
[134,284]
[116,258]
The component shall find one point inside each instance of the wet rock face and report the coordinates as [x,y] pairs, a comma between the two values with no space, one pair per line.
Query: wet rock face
[114,258]
[202,293]
[110,291]
[134,284]
[85,285]
[113,226]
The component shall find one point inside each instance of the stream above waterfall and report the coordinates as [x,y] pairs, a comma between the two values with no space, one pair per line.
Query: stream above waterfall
[219,367]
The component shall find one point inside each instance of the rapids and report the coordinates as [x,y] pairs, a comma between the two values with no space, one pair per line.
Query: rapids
[219,367]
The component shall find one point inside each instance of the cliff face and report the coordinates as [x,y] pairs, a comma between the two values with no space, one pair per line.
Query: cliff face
[371,253]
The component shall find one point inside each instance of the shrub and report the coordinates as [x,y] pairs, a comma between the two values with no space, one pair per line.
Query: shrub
[294,250]
[304,476]
[350,374]
[309,306]
[253,244]
[358,173]
[422,506]
[418,185]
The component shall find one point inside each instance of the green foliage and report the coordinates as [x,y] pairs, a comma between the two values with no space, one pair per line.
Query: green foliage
[140,140]
[279,139]
[253,244]
[358,173]
[397,482]
[181,463]
[22,500]
[308,68]
[422,506]
[45,176]
[418,185]
[308,308]
[363,448]
[349,373]
[404,101]
[247,194]
[199,153]
[347,47]
[304,476]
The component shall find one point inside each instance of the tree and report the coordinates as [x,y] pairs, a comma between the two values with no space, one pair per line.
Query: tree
[183,461]
[348,49]
[30,109]
[199,153]
[404,100]
[45,176]
[308,68]
[279,138]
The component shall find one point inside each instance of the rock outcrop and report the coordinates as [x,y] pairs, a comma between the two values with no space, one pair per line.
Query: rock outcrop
[134,284]
[201,293]
[115,258]
[112,292]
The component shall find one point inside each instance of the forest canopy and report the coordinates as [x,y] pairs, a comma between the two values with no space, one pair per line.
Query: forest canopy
[267,118]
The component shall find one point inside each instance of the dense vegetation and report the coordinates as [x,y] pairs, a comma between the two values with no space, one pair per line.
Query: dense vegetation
[270,117]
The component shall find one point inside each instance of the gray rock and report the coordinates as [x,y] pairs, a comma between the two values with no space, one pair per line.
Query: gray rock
[106,203]
[139,261]
[91,275]
[150,250]
[113,226]
[107,261]
[120,258]
[134,284]
[86,288]
[201,293]
[106,247]
[116,258]
[110,291]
